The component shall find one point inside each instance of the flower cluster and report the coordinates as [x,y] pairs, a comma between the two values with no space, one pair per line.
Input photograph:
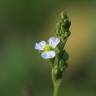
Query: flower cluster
[54,51]
[63,26]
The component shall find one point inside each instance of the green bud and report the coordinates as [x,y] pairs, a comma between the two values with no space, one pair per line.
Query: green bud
[61,65]
[55,70]
[63,26]
[65,55]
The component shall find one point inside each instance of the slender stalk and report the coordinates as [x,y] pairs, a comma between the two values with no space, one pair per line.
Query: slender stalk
[56,85]
[56,90]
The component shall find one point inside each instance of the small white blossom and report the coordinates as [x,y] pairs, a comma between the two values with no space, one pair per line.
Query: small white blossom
[47,48]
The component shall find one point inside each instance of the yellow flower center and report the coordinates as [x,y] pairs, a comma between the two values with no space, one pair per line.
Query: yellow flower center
[47,48]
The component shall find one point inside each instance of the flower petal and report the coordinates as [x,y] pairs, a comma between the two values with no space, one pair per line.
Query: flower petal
[40,46]
[54,41]
[48,55]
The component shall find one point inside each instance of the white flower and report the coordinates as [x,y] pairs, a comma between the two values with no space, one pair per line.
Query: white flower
[47,48]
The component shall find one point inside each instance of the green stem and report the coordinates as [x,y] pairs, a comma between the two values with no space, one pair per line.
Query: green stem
[56,90]
[56,85]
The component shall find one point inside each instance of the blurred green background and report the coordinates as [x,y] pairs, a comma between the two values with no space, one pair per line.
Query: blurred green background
[23,23]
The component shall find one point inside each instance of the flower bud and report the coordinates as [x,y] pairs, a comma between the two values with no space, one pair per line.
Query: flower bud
[63,26]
